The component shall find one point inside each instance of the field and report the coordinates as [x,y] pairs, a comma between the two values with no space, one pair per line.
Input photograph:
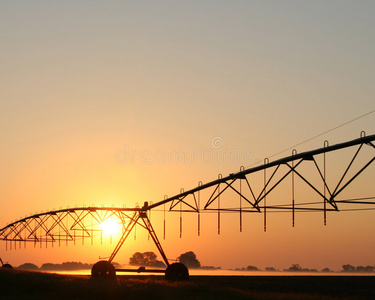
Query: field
[16,284]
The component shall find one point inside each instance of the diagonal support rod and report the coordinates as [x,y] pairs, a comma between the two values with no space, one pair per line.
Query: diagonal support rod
[146,221]
[124,236]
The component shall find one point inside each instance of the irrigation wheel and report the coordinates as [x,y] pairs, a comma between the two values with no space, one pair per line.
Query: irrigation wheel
[7,266]
[103,269]
[177,272]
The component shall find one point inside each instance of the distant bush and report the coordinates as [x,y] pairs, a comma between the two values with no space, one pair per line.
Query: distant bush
[146,259]
[66,266]
[28,266]
[252,268]
[189,259]
[348,268]
[210,268]
[298,268]
[248,268]
[358,269]
[327,270]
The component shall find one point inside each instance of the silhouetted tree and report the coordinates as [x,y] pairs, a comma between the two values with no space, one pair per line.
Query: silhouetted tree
[136,259]
[159,264]
[28,266]
[360,269]
[49,266]
[326,270]
[252,268]
[270,269]
[348,268]
[190,260]
[369,269]
[66,266]
[150,258]
[297,268]
[145,259]
[294,268]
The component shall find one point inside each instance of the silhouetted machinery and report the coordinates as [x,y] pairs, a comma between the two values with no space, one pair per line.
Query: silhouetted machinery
[105,269]
[72,224]
[8,266]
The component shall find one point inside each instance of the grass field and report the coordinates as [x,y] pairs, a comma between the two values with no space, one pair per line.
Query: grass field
[16,284]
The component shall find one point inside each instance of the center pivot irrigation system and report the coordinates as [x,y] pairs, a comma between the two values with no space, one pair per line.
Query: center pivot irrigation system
[71,225]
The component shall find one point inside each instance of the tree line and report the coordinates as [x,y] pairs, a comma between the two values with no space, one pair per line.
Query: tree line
[145,259]
[65,266]
[189,259]
[149,259]
[297,268]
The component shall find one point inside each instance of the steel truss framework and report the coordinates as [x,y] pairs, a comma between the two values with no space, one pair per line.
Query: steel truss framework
[275,173]
[70,225]
[64,226]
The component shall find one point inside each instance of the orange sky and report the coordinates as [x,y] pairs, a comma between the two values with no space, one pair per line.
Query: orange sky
[96,99]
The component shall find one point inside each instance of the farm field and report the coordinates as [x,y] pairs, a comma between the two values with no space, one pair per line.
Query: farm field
[15,284]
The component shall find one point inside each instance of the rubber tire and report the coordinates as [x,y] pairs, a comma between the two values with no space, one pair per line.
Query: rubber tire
[177,272]
[7,266]
[104,270]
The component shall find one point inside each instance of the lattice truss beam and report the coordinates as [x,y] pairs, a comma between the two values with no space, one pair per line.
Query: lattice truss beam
[239,192]
[245,193]
[67,225]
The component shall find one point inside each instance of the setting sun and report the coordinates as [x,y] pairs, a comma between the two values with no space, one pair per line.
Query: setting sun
[110,227]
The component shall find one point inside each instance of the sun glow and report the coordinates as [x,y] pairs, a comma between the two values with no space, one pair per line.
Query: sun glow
[110,227]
